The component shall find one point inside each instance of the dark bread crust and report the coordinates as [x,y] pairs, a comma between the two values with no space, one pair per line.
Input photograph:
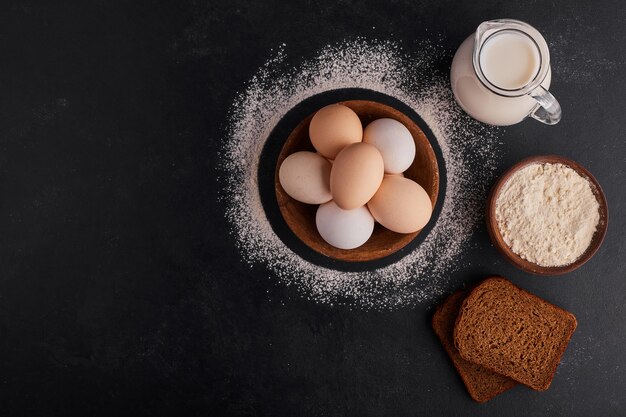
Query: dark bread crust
[482,384]
[483,332]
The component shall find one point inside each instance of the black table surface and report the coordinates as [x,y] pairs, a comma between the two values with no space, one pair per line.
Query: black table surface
[122,291]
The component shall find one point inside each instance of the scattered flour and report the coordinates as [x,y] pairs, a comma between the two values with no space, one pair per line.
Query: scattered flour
[468,147]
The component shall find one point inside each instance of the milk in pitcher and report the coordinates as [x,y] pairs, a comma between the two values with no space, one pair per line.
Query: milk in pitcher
[501,77]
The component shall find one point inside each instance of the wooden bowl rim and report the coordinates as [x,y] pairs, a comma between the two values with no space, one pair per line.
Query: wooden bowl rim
[518,261]
[403,240]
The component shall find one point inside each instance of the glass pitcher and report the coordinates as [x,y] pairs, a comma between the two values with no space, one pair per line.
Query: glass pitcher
[501,74]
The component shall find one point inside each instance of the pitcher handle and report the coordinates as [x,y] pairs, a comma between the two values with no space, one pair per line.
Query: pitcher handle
[549,109]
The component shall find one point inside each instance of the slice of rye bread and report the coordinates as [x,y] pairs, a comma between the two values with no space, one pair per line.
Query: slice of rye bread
[513,332]
[481,383]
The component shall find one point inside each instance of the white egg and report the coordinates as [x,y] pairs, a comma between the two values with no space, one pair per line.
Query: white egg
[344,229]
[394,142]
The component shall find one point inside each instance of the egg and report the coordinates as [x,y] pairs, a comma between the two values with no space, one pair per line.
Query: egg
[344,229]
[333,128]
[356,174]
[394,142]
[305,176]
[329,160]
[401,205]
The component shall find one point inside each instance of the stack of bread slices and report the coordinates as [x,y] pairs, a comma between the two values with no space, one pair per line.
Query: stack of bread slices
[499,335]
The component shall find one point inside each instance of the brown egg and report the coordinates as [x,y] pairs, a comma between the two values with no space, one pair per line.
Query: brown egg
[305,176]
[328,159]
[356,175]
[401,205]
[333,128]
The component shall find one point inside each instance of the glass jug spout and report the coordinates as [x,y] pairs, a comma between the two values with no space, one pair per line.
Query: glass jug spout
[486,29]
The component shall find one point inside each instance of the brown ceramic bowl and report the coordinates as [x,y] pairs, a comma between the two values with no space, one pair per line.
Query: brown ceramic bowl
[300,217]
[523,264]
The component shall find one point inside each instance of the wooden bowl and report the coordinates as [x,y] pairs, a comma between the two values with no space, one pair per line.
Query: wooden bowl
[300,217]
[523,264]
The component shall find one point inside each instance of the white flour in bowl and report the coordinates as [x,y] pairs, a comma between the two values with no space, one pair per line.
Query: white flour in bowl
[468,148]
[547,214]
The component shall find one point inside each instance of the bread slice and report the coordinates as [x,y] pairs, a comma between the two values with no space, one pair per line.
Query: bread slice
[513,332]
[481,383]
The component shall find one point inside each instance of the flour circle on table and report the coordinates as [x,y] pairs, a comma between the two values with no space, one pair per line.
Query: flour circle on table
[469,151]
